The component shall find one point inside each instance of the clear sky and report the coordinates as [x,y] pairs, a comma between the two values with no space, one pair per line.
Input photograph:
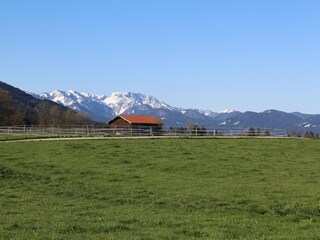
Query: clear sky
[209,54]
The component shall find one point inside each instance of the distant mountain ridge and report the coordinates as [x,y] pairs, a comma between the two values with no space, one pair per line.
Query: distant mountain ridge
[102,108]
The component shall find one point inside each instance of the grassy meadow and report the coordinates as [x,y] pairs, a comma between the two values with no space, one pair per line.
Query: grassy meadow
[160,189]
[28,136]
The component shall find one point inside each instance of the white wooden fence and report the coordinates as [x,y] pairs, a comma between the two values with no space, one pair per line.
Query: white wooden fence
[141,131]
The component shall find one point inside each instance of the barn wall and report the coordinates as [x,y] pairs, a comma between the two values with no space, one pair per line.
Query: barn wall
[154,127]
[119,123]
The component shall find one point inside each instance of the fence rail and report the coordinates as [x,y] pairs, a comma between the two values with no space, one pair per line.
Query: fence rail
[141,131]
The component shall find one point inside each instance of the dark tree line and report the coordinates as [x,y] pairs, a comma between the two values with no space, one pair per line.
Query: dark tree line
[308,134]
[259,132]
[191,129]
[311,135]
[48,115]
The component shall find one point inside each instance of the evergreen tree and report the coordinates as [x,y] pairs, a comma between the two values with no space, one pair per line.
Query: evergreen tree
[311,134]
[251,132]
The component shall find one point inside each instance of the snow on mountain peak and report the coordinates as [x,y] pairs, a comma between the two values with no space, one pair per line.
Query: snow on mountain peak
[227,111]
[119,94]
[73,92]
[208,113]
[55,93]
[58,96]
[122,101]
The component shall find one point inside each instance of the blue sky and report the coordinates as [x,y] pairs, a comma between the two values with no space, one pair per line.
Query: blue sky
[209,54]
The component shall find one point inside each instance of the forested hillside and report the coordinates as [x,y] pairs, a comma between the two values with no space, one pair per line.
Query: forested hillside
[20,108]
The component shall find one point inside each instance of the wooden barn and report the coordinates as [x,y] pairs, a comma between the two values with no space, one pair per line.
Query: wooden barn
[136,122]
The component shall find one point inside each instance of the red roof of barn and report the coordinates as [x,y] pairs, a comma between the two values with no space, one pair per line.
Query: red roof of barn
[139,119]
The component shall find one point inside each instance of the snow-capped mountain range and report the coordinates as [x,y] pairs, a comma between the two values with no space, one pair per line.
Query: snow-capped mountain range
[102,108]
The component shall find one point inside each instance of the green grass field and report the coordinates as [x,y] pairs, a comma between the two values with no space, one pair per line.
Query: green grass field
[160,189]
[18,136]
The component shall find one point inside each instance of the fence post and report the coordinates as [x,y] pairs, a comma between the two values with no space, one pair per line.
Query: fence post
[87,130]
